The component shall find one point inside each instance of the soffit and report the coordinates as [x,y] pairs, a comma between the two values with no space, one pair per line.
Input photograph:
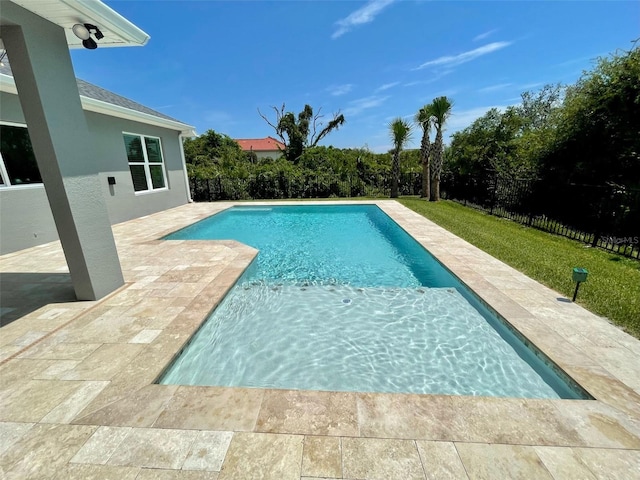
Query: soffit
[117,30]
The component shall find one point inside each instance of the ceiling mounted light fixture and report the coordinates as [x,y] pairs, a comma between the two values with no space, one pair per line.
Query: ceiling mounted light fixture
[83,31]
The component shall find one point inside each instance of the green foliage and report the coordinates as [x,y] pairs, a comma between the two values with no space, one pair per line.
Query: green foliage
[598,135]
[587,133]
[212,154]
[302,132]
[424,118]
[612,288]
[440,110]
[400,131]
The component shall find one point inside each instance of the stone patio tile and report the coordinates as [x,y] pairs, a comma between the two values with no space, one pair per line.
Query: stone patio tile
[322,457]
[57,369]
[440,460]
[600,425]
[10,433]
[513,462]
[7,351]
[404,416]
[75,403]
[141,372]
[154,448]
[208,451]
[140,408]
[96,472]
[608,464]
[29,338]
[606,388]
[18,372]
[564,463]
[212,408]
[306,412]
[108,329]
[43,450]
[156,474]
[509,420]
[189,290]
[263,456]
[381,459]
[145,336]
[34,399]
[105,362]
[620,362]
[101,445]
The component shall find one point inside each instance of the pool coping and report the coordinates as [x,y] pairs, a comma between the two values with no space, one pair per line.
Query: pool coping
[174,304]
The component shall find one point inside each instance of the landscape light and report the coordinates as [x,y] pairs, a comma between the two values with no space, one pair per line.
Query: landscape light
[579,276]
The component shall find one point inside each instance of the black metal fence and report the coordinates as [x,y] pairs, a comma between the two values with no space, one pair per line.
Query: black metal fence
[266,186]
[601,216]
[604,217]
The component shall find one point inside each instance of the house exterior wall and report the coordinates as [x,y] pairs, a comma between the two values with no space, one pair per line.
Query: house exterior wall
[25,215]
[273,155]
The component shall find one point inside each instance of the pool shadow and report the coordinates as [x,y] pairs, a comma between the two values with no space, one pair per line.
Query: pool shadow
[22,293]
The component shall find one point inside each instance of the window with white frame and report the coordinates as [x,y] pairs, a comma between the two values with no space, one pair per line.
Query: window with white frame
[18,164]
[145,162]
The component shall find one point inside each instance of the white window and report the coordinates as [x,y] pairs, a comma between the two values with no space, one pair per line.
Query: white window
[145,162]
[18,164]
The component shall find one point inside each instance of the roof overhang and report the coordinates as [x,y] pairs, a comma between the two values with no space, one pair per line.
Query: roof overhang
[8,85]
[117,30]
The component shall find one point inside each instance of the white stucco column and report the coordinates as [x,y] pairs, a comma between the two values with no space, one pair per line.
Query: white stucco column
[48,93]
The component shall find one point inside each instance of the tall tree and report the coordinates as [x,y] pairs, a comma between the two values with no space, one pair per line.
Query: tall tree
[302,132]
[424,118]
[400,130]
[441,109]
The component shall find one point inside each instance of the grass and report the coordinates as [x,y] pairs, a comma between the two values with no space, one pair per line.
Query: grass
[613,286]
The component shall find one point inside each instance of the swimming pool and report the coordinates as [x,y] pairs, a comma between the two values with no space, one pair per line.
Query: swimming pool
[341,298]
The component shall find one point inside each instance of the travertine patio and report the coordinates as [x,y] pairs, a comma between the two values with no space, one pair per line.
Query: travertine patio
[78,398]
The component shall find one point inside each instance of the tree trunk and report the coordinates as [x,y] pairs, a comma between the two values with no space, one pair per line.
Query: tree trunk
[426,171]
[436,167]
[395,174]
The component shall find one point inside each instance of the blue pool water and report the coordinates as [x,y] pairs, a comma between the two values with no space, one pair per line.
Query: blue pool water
[341,298]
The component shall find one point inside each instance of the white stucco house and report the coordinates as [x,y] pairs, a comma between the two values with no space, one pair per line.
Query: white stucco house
[75,158]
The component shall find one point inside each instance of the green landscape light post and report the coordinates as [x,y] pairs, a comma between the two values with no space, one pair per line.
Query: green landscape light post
[579,276]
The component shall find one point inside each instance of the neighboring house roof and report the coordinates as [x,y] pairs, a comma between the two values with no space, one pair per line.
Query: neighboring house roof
[268,144]
[99,100]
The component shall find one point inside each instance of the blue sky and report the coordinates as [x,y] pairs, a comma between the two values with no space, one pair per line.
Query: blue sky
[212,64]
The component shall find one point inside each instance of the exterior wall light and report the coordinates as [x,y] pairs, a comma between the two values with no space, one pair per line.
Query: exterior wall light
[579,276]
[83,31]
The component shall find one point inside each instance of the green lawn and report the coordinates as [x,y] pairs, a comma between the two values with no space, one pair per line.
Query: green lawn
[612,289]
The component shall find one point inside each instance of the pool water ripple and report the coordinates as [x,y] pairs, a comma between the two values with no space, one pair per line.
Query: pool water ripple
[341,298]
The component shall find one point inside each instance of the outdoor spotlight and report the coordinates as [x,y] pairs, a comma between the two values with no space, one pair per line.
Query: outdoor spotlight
[81,31]
[84,30]
[90,43]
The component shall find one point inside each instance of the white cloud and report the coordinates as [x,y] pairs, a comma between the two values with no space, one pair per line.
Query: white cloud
[529,86]
[495,88]
[361,16]
[357,106]
[484,35]
[337,90]
[453,60]
[387,86]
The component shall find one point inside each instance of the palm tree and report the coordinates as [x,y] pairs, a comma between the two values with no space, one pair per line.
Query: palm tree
[440,109]
[400,130]
[424,118]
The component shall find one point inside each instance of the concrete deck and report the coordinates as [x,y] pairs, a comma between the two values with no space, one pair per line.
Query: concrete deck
[77,398]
